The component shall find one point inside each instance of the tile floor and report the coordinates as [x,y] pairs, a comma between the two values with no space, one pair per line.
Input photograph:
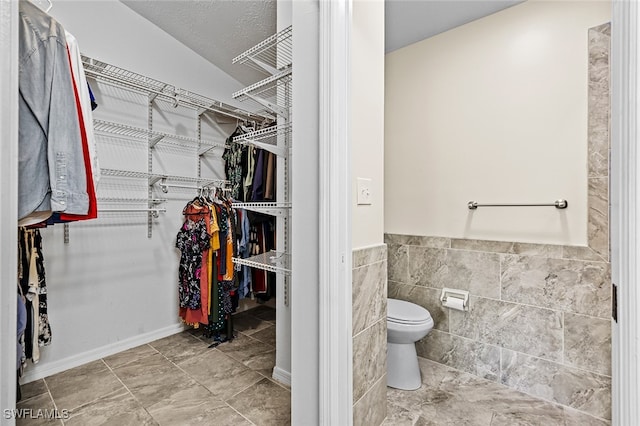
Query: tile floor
[452,397]
[178,380]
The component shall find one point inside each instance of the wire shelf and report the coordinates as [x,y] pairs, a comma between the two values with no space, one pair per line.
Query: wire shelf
[120,200]
[155,178]
[272,261]
[275,90]
[131,132]
[133,81]
[271,55]
[273,209]
[274,139]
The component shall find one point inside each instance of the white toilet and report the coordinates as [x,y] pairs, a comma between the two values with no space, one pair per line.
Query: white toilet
[406,324]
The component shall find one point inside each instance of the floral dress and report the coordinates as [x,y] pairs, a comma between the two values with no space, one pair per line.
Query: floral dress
[192,240]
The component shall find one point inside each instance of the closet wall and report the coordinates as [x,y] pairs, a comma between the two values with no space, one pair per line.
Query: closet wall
[111,287]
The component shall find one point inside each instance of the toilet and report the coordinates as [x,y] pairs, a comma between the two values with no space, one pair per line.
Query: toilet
[406,324]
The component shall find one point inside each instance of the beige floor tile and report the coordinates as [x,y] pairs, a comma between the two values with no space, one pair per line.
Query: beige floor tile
[130,355]
[265,313]
[265,404]
[78,386]
[250,352]
[195,406]
[153,379]
[249,324]
[266,335]
[31,389]
[37,411]
[180,346]
[118,409]
[220,374]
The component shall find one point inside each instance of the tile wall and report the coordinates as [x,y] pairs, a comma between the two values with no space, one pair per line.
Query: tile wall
[369,316]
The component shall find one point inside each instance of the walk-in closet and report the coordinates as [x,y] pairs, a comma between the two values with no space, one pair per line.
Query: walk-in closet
[155,279]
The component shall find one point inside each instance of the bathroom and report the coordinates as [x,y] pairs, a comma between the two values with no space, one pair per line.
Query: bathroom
[512,108]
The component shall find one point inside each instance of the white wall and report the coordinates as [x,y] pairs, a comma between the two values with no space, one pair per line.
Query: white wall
[367,118]
[494,111]
[111,287]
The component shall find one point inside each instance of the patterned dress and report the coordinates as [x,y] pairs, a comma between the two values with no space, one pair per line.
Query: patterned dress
[192,240]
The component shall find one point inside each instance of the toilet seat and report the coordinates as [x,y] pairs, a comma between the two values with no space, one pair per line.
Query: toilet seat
[402,312]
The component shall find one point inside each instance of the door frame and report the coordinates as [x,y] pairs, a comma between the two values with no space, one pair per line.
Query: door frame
[625,211]
[8,206]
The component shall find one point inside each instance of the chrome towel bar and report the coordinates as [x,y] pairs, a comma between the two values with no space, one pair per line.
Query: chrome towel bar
[559,204]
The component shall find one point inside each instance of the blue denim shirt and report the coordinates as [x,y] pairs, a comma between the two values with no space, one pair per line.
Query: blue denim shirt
[51,175]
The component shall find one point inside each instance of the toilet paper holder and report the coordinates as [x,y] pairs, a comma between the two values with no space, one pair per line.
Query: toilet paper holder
[455,299]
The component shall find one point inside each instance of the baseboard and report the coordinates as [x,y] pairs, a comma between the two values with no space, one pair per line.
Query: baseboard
[37,372]
[282,376]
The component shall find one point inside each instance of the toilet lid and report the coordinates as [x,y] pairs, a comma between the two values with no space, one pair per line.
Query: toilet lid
[400,311]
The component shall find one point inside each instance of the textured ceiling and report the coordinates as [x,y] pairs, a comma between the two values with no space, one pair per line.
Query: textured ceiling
[219,30]
[216,30]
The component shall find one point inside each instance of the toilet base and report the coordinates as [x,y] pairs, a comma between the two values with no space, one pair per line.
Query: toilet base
[403,371]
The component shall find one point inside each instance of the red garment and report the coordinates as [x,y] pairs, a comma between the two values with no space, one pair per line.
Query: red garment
[92,213]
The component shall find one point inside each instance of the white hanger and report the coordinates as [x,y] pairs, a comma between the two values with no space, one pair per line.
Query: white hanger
[50,5]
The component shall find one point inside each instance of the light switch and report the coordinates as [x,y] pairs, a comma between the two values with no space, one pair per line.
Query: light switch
[363,186]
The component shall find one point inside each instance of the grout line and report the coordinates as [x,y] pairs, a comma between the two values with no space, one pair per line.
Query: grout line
[127,388]
[383,377]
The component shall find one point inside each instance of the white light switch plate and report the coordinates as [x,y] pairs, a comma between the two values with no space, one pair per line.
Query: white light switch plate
[364,191]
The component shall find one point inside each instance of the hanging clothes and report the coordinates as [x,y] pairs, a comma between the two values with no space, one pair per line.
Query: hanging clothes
[51,169]
[32,281]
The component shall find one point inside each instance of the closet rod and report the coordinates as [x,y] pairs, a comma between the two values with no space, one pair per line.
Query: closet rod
[559,204]
[176,96]
[154,211]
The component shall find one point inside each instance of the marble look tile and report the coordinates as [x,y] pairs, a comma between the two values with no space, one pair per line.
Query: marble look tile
[81,385]
[369,295]
[599,104]
[224,377]
[153,379]
[31,389]
[252,353]
[443,401]
[265,313]
[368,255]
[428,298]
[264,403]
[130,355]
[477,272]
[581,253]
[34,409]
[248,324]
[371,409]
[119,408]
[266,335]
[416,240]
[463,354]
[598,221]
[398,263]
[566,285]
[180,346]
[587,343]
[579,389]
[195,406]
[399,416]
[369,358]
[482,245]
[523,328]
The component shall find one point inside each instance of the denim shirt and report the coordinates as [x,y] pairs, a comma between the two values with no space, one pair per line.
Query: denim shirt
[51,175]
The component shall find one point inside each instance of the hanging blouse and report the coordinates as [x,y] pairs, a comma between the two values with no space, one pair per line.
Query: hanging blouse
[192,240]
